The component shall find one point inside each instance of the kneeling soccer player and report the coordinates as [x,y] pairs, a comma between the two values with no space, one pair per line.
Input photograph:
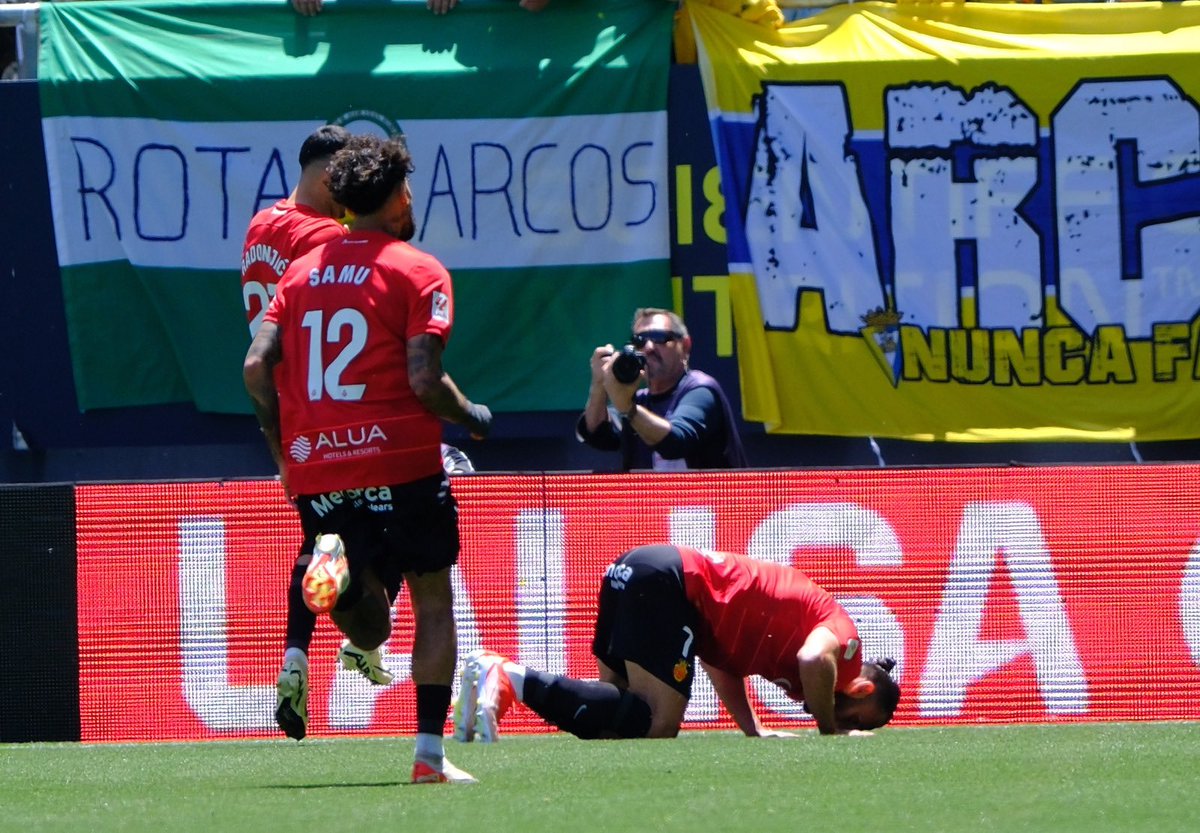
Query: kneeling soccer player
[663,607]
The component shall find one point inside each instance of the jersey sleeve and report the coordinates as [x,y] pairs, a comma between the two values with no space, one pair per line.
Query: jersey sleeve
[275,309]
[431,309]
[849,660]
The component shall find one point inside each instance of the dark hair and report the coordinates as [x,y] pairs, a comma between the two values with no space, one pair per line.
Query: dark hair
[648,312]
[887,690]
[364,173]
[322,143]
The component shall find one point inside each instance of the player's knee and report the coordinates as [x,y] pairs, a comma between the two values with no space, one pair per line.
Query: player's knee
[367,623]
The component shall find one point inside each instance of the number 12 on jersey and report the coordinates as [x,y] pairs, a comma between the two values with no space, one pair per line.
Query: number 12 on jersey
[327,381]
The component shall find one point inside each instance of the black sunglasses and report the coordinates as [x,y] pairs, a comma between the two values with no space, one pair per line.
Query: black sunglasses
[657,336]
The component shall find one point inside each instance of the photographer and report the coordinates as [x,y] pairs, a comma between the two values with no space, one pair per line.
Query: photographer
[681,420]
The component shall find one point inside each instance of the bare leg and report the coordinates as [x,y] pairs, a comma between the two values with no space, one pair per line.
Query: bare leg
[369,622]
[666,704]
[435,640]
[607,675]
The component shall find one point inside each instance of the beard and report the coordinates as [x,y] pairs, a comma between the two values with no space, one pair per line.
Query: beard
[406,231]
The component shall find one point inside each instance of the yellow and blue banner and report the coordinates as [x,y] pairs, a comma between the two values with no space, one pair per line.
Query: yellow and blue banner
[963,221]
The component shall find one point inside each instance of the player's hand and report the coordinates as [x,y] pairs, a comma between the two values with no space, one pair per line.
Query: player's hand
[440,6]
[481,421]
[307,8]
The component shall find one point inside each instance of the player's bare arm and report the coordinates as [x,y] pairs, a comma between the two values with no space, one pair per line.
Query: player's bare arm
[259,378]
[732,691]
[437,391]
[818,676]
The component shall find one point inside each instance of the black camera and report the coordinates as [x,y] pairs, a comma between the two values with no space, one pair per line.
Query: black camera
[627,364]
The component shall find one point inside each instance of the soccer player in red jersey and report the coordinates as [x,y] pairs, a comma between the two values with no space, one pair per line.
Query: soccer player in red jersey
[663,607]
[346,378]
[275,237]
[294,226]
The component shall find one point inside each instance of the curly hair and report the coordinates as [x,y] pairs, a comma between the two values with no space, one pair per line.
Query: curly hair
[364,173]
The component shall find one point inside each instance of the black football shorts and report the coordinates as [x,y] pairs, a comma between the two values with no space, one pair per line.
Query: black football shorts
[397,529]
[644,617]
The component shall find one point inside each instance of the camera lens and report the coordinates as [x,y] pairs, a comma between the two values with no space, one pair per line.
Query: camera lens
[627,364]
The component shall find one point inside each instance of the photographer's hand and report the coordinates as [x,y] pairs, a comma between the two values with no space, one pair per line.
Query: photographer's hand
[601,359]
[595,412]
[649,426]
[619,393]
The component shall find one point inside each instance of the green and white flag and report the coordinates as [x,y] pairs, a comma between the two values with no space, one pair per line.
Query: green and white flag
[540,144]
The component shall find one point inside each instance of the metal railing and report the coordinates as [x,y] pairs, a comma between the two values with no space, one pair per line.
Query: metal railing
[24,18]
[11,13]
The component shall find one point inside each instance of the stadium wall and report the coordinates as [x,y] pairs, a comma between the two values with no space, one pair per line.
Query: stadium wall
[155,611]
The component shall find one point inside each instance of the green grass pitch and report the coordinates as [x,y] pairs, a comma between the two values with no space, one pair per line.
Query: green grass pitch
[1093,778]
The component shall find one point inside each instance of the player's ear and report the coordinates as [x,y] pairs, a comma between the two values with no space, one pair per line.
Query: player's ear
[860,687]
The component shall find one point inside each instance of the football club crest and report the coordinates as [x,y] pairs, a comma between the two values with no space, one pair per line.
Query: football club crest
[680,671]
[881,331]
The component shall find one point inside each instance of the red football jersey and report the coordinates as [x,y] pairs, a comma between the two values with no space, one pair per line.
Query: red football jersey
[345,310]
[277,236]
[756,615]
